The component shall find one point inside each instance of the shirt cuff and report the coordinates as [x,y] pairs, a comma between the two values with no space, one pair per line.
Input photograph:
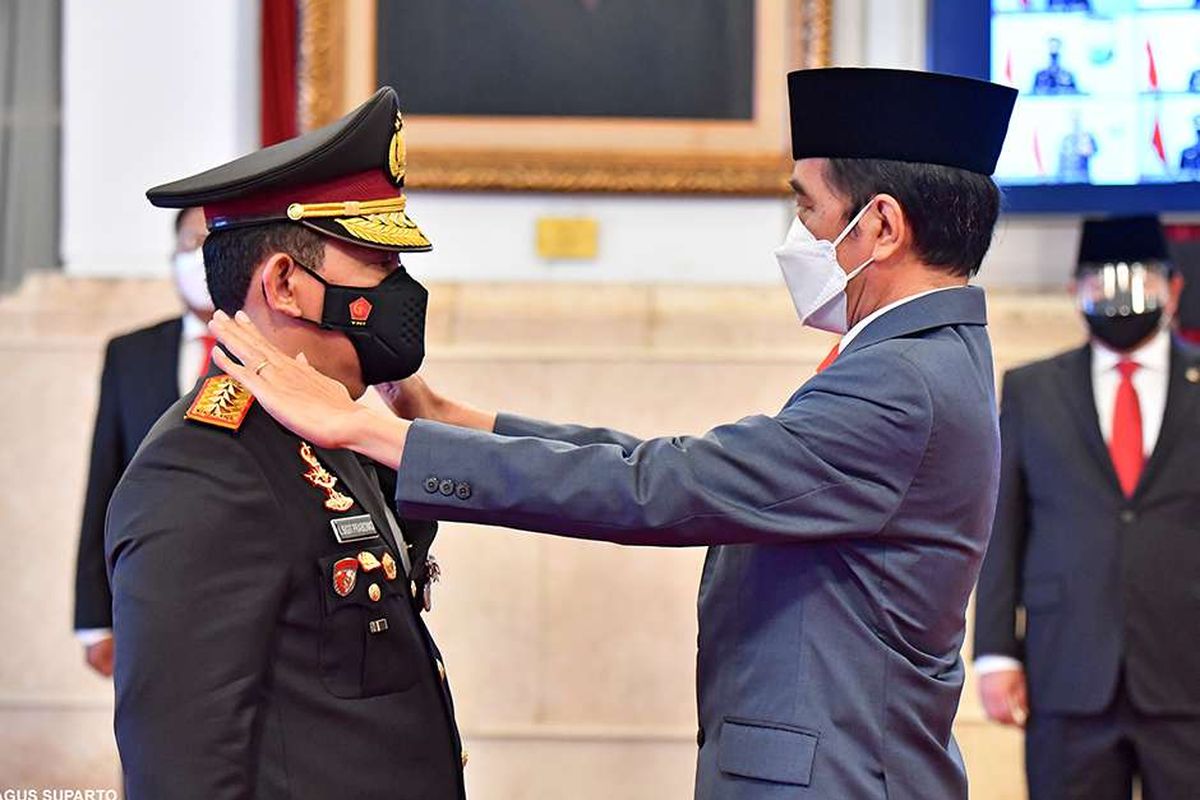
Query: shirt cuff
[986,664]
[90,636]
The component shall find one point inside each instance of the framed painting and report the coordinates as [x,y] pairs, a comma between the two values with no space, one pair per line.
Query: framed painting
[674,96]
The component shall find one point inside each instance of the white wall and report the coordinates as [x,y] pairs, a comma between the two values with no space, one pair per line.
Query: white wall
[157,89]
[152,90]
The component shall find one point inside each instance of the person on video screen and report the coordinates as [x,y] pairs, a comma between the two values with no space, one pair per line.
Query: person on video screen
[1075,153]
[1189,159]
[1069,5]
[1055,79]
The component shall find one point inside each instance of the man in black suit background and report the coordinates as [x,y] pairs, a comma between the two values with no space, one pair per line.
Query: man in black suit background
[1087,615]
[145,371]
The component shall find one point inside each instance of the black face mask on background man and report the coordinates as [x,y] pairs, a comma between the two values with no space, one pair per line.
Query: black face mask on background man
[1123,333]
[385,323]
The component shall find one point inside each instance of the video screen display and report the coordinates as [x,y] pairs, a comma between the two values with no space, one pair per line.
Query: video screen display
[1109,91]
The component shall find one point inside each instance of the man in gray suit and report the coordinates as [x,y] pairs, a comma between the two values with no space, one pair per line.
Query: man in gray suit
[846,531]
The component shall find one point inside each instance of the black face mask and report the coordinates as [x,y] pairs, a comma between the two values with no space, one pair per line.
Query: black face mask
[1122,333]
[385,323]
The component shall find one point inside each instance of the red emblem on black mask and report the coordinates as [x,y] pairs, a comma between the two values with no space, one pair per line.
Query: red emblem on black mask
[360,309]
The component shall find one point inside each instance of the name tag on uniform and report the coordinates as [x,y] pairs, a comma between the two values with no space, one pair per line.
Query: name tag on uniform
[354,529]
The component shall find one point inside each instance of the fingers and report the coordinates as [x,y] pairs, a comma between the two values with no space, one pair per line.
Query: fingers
[246,327]
[1019,701]
[236,339]
[999,712]
[1016,713]
[239,373]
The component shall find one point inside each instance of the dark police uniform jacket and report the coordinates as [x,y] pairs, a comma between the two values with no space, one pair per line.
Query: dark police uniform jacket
[846,530]
[1110,585]
[139,381]
[240,671]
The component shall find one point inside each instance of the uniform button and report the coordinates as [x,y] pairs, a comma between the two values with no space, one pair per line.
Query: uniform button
[431,484]
[700,737]
[1128,515]
[441,669]
[465,758]
[446,487]
[412,587]
[463,491]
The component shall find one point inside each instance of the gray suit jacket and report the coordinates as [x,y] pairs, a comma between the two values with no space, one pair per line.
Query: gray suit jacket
[846,531]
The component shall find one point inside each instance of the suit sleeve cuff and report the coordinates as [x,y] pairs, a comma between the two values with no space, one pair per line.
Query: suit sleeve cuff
[987,664]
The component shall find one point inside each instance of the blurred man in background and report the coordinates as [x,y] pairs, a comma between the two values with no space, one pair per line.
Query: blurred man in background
[144,373]
[1087,611]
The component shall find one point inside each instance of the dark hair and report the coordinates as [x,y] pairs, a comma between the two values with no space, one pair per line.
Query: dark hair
[232,255]
[952,212]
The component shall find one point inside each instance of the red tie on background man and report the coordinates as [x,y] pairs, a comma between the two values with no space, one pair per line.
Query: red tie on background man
[208,342]
[1125,445]
[830,357]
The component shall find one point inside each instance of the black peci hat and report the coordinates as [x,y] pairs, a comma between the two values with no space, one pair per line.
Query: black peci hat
[344,180]
[899,115]
[1121,239]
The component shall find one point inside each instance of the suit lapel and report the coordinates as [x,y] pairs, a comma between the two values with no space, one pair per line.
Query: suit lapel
[362,487]
[1075,386]
[1181,401]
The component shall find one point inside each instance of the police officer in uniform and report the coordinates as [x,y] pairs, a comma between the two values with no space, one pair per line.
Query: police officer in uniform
[847,530]
[266,601]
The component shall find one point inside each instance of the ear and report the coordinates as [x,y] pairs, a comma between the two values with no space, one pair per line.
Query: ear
[894,234]
[281,281]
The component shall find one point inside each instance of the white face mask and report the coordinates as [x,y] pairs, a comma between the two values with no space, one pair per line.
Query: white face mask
[188,270]
[815,279]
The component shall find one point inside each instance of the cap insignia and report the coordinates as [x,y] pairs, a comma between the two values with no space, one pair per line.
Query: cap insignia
[397,152]
[394,229]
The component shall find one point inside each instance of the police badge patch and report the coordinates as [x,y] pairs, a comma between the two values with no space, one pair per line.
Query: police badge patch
[345,575]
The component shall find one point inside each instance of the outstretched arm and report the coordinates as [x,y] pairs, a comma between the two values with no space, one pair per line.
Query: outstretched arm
[413,399]
[835,462]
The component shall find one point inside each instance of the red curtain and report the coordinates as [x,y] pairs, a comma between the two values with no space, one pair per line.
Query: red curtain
[278,103]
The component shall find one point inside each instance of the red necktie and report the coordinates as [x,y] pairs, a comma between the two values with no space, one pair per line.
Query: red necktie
[208,342]
[1125,445]
[830,357]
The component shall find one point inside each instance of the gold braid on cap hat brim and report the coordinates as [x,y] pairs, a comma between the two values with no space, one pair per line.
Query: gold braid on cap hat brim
[377,221]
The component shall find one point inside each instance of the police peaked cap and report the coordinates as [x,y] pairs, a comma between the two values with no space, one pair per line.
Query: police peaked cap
[345,180]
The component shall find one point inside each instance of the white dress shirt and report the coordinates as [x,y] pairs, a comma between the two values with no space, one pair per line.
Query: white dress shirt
[1150,381]
[191,359]
[191,351]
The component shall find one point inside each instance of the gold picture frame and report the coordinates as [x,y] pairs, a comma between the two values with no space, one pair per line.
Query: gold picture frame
[574,154]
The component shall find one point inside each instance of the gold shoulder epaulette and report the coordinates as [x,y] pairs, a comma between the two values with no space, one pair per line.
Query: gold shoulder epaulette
[221,401]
